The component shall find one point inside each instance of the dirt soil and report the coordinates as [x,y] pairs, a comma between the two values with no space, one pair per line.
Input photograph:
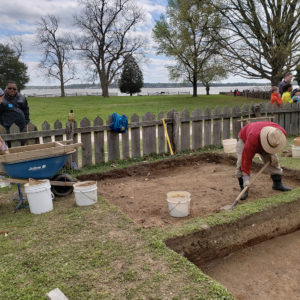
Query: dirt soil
[269,270]
[140,191]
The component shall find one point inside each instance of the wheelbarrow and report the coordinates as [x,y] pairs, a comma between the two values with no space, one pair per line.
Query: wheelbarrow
[42,161]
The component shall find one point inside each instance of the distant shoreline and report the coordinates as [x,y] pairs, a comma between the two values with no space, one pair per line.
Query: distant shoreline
[149,85]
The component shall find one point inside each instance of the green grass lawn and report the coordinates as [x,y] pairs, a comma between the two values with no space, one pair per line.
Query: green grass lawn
[52,109]
[97,252]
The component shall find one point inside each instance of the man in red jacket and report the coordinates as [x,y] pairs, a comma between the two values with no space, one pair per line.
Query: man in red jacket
[266,139]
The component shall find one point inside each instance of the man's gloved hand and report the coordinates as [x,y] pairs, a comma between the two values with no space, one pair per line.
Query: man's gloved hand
[246,180]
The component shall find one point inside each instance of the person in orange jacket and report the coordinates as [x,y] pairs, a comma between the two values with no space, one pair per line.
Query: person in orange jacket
[275,96]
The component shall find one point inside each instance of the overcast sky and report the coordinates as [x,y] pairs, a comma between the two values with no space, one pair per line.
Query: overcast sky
[19,18]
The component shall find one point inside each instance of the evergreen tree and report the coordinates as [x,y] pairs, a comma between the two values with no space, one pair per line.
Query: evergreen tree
[131,80]
[11,68]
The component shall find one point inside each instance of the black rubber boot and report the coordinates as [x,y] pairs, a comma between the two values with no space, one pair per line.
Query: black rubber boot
[277,184]
[241,183]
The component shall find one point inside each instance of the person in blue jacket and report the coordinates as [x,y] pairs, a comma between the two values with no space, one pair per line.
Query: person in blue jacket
[13,108]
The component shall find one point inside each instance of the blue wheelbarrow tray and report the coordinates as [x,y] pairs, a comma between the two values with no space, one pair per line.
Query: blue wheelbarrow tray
[40,168]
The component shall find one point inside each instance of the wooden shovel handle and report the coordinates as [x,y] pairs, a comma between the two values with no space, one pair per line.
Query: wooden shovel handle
[254,178]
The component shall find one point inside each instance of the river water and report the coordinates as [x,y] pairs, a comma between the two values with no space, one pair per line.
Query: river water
[52,92]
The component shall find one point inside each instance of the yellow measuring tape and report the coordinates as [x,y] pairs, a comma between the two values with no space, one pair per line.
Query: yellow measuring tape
[167,136]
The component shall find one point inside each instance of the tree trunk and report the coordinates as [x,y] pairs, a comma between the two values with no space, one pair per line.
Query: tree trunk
[194,86]
[61,75]
[62,89]
[207,90]
[104,85]
[275,80]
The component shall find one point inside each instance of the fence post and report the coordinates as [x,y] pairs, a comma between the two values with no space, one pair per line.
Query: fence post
[236,126]
[176,124]
[32,127]
[226,123]
[197,129]
[149,134]
[69,136]
[135,138]
[287,118]
[113,142]
[207,127]
[185,130]
[294,119]
[86,143]
[58,125]
[170,129]
[46,126]
[161,135]
[14,129]
[99,142]
[217,126]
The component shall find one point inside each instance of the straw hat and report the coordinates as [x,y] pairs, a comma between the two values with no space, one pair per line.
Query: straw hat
[272,139]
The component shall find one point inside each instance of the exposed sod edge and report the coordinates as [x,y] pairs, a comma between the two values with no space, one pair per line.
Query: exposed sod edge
[222,239]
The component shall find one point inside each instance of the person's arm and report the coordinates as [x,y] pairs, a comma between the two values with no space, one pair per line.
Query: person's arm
[278,100]
[2,107]
[247,156]
[280,85]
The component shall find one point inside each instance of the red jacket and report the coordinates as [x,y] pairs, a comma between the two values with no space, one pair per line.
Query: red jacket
[275,97]
[250,134]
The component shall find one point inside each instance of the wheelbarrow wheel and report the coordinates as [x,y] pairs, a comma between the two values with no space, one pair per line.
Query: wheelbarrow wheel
[61,191]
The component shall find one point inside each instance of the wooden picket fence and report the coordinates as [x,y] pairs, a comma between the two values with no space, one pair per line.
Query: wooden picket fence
[146,135]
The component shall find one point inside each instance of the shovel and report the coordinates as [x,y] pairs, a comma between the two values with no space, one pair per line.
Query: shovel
[231,206]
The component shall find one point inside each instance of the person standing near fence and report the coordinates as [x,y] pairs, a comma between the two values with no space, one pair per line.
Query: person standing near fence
[286,80]
[286,96]
[13,108]
[275,96]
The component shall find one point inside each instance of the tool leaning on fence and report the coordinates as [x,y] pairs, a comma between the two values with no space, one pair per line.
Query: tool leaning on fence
[167,136]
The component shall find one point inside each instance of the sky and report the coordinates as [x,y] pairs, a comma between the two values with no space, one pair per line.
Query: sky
[19,19]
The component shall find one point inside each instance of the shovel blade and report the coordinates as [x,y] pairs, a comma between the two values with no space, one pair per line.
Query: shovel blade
[227,207]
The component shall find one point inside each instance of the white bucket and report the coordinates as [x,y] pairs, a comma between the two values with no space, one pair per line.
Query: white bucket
[39,196]
[229,145]
[296,151]
[296,141]
[179,203]
[85,193]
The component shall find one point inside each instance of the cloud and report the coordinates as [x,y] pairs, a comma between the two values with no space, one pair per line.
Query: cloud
[21,17]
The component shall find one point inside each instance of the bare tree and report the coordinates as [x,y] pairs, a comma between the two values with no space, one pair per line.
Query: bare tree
[262,37]
[56,51]
[106,38]
[16,43]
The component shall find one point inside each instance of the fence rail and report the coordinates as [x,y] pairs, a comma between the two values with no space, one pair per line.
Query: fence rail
[146,135]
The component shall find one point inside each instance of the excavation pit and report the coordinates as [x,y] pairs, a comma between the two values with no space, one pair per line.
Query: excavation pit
[141,191]
[256,257]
